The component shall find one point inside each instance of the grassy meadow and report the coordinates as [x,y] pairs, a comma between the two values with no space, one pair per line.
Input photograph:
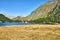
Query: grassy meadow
[30,32]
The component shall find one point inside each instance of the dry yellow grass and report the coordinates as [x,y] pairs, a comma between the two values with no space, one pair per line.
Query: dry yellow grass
[30,32]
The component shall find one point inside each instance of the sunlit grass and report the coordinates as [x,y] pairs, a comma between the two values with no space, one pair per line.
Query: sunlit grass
[30,32]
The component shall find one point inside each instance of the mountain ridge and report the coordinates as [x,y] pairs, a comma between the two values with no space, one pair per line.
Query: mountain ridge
[3,18]
[40,12]
[52,18]
[48,13]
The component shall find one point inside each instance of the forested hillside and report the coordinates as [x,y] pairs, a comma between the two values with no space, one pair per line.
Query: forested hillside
[4,18]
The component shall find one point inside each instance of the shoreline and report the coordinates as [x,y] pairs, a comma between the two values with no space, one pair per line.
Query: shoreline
[38,25]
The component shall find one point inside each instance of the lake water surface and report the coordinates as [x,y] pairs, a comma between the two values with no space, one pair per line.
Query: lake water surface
[12,23]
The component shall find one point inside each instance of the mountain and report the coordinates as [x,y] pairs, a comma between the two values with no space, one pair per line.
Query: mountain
[48,13]
[40,12]
[4,18]
[19,18]
[53,16]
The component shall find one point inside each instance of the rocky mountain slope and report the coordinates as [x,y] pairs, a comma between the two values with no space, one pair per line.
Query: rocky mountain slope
[47,13]
[40,12]
[53,16]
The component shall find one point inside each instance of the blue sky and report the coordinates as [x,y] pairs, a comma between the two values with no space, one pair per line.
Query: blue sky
[19,7]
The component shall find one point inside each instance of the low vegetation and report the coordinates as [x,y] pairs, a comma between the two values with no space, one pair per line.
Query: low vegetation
[30,32]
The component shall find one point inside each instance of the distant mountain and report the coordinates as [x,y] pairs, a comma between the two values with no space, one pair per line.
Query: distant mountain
[4,18]
[48,13]
[40,12]
[19,18]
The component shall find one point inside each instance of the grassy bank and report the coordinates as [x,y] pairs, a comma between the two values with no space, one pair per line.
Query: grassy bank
[30,32]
